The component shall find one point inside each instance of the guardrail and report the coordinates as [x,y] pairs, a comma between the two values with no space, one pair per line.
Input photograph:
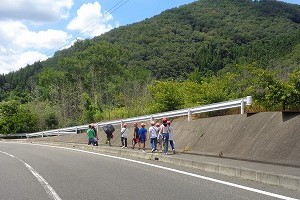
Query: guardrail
[201,109]
[13,136]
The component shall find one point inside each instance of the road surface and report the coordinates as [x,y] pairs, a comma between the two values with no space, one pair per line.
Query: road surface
[40,172]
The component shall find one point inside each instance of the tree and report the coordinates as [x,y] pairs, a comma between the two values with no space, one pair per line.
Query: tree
[165,96]
[16,118]
[292,99]
[52,121]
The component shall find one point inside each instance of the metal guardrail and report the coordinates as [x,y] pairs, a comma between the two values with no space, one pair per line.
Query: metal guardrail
[13,136]
[201,109]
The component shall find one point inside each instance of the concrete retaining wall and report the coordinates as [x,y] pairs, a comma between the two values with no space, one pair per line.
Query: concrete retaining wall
[269,137]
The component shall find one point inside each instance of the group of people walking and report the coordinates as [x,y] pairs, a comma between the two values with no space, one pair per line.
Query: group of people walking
[92,135]
[159,135]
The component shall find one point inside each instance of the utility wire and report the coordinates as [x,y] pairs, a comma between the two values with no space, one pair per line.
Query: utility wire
[106,14]
[93,22]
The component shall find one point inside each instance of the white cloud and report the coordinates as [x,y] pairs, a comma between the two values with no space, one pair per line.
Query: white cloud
[19,45]
[42,39]
[15,35]
[35,10]
[90,20]
[14,61]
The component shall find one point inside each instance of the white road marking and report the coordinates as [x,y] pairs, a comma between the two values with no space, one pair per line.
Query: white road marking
[178,171]
[49,190]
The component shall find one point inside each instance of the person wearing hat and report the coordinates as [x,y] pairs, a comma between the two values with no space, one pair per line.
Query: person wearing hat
[91,135]
[164,130]
[159,137]
[143,135]
[171,136]
[135,138]
[124,135]
[153,136]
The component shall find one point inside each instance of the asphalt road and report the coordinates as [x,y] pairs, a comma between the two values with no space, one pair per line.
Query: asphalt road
[41,172]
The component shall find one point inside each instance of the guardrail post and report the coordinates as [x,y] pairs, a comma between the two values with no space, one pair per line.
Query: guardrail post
[97,128]
[121,124]
[189,114]
[242,106]
[248,100]
[151,118]
[42,134]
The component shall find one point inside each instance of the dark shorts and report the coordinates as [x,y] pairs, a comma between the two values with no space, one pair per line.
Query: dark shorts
[142,140]
[91,141]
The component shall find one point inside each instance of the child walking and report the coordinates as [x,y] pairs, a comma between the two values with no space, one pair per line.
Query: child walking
[171,136]
[135,139]
[143,136]
[124,135]
[153,136]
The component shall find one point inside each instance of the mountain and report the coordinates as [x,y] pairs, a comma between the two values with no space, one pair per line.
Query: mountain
[114,70]
[205,35]
[212,34]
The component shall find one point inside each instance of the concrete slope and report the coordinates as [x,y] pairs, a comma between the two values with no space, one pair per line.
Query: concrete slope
[269,137]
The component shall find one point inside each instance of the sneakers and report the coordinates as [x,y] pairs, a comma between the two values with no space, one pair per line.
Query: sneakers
[123,147]
[144,151]
[152,150]
[173,151]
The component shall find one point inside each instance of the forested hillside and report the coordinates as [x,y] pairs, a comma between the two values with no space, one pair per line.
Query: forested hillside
[201,53]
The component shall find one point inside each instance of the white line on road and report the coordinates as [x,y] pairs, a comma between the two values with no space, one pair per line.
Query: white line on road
[50,191]
[193,175]
[178,171]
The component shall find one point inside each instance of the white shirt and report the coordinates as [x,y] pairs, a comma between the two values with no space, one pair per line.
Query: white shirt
[124,132]
[152,132]
[164,129]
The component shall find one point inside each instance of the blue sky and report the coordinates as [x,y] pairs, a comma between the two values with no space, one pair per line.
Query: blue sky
[32,30]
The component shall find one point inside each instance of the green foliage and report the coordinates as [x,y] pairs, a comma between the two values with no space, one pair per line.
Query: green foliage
[218,89]
[269,91]
[16,118]
[47,113]
[210,34]
[50,82]
[52,121]
[89,110]
[205,52]
[292,97]
[190,93]
[165,96]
